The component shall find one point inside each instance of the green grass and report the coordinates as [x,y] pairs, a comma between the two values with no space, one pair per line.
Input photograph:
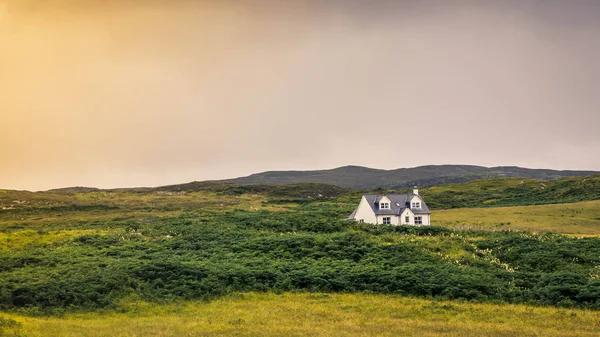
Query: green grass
[62,253]
[314,314]
[31,238]
[581,218]
[512,192]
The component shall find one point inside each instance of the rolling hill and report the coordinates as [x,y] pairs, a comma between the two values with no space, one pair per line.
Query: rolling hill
[365,178]
[493,192]
[86,251]
[358,178]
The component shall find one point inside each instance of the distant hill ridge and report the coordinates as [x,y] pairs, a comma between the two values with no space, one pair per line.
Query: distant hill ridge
[365,178]
[75,189]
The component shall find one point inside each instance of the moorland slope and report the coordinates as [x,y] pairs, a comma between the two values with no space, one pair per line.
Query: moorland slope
[66,251]
[358,177]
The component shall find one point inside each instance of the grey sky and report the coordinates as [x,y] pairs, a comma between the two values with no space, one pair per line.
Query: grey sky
[132,93]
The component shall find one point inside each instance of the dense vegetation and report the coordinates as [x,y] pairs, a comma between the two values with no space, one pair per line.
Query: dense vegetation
[65,251]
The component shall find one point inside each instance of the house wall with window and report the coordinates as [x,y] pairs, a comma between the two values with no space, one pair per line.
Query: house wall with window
[381,220]
[409,218]
[385,203]
[425,220]
[407,214]
[413,219]
[416,200]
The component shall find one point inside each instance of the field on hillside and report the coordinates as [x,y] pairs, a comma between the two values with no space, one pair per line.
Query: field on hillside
[61,252]
[581,218]
[208,259]
[312,314]
[512,192]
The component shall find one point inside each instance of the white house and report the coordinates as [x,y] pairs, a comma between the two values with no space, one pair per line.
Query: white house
[393,209]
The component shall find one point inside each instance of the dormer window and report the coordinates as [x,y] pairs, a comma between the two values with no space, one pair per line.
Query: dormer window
[384,205]
[416,205]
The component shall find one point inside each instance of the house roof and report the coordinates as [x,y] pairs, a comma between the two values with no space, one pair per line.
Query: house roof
[399,203]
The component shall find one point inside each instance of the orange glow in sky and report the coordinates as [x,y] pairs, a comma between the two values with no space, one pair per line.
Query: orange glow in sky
[144,93]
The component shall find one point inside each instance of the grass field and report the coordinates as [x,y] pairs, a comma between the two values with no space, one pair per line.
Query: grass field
[512,192]
[317,314]
[104,263]
[576,218]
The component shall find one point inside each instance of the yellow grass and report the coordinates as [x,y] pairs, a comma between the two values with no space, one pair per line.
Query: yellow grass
[31,238]
[316,315]
[576,218]
[134,206]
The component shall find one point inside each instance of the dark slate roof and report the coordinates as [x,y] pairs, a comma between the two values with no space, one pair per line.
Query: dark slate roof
[399,202]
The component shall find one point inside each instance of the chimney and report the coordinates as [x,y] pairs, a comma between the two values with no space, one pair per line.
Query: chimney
[416,190]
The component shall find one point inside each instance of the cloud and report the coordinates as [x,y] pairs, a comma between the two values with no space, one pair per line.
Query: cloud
[130,93]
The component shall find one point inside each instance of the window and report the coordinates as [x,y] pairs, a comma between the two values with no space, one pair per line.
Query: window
[361,220]
[407,219]
[384,205]
[387,220]
[418,220]
[416,205]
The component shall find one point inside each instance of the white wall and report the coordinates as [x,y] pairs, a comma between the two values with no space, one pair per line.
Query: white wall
[416,198]
[407,212]
[410,214]
[426,219]
[365,212]
[394,219]
[384,200]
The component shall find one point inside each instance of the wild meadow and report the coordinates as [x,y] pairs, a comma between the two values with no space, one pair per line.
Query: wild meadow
[578,219]
[311,314]
[73,261]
